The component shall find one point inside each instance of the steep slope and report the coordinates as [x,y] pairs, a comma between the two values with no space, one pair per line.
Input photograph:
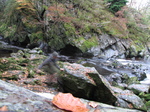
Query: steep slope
[85,24]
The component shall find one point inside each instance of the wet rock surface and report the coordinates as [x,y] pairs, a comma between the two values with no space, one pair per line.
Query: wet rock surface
[18,99]
[110,47]
[130,99]
[82,81]
[85,82]
[138,88]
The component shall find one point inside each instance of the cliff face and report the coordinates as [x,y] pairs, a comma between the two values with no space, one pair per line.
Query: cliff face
[85,24]
[89,26]
[110,47]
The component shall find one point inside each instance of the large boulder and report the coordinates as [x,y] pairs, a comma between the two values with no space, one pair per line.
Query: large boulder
[128,99]
[87,83]
[91,106]
[18,99]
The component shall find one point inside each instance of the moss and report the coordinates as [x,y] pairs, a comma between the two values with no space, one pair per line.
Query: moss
[148,105]
[145,96]
[84,44]
[31,74]
[9,64]
[36,36]
[90,42]
[113,28]
[139,47]
[69,29]
[76,18]
[94,19]
[133,80]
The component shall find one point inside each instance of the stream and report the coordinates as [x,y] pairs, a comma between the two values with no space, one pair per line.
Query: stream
[144,66]
[102,66]
[134,68]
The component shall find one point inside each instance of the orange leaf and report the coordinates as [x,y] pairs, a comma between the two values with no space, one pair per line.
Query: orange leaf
[93,104]
[4,109]
[97,110]
[69,102]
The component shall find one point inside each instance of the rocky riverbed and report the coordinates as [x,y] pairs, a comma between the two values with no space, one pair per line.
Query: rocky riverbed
[93,79]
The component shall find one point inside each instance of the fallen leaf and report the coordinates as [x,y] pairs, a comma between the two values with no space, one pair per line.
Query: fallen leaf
[130,106]
[4,108]
[93,104]
[68,102]
[97,110]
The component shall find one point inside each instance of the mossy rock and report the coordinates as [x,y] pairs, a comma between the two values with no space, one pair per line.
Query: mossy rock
[145,96]
[148,105]
[9,64]
[125,77]
[85,44]
[133,80]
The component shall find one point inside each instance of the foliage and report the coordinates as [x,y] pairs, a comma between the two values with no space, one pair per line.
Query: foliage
[18,15]
[2,6]
[56,22]
[146,97]
[116,5]
[137,27]
[59,22]
[6,27]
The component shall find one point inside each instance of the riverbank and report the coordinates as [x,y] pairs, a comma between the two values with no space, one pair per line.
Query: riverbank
[21,69]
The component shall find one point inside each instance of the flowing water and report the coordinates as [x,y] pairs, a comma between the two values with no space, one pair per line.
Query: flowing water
[105,68]
[144,66]
[99,64]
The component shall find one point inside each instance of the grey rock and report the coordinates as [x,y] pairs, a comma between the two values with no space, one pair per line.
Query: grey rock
[106,41]
[130,98]
[138,88]
[33,51]
[19,99]
[87,83]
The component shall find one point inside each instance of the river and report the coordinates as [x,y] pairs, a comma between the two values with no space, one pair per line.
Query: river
[104,70]
[144,66]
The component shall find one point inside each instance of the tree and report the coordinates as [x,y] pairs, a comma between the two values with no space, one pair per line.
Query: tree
[116,5]
[139,23]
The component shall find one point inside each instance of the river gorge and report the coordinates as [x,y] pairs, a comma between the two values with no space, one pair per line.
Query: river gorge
[19,67]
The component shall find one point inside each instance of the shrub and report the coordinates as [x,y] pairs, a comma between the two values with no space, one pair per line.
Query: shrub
[115,5]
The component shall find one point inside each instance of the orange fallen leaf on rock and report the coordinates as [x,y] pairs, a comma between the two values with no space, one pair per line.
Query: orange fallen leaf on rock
[93,104]
[4,108]
[97,110]
[68,102]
